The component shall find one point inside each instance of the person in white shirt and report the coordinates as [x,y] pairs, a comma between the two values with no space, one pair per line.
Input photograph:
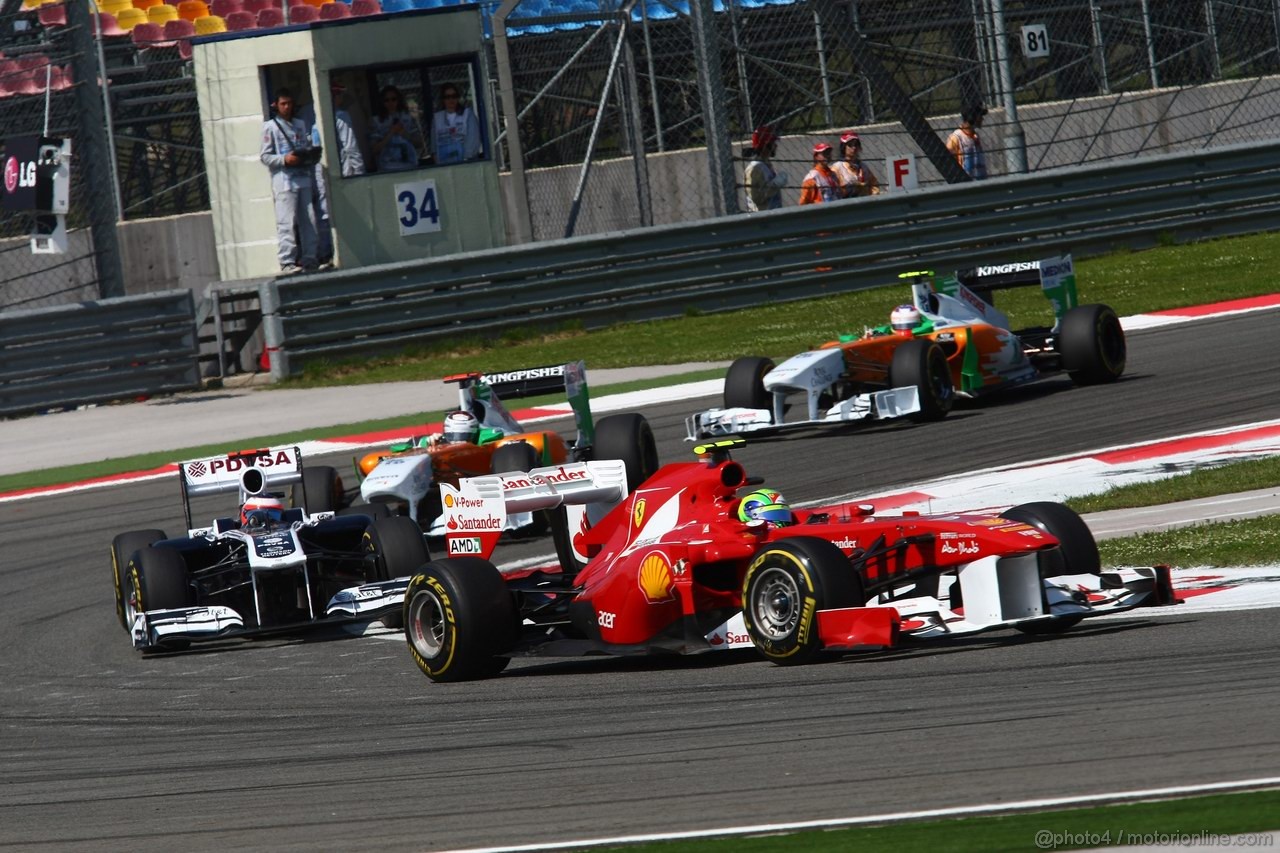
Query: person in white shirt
[455,130]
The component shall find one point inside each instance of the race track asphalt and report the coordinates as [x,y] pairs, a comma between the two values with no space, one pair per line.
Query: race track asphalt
[340,744]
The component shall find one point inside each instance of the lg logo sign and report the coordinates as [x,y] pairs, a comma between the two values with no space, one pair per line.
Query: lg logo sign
[18,175]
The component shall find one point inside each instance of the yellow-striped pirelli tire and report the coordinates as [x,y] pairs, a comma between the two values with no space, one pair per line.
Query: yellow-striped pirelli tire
[460,620]
[785,586]
[122,548]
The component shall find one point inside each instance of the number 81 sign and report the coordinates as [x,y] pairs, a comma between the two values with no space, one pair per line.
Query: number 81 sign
[417,208]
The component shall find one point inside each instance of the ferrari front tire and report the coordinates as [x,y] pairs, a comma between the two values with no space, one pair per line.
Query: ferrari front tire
[460,620]
[920,363]
[1078,549]
[123,548]
[785,586]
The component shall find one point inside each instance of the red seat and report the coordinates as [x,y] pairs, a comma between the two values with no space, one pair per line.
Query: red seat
[241,20]
[184,48]
[255,6]
[147,35]
[270,17]
[333,11]
[52,15]
[365,7]
[179,29]
[225,8]
[110,28]
[303,14]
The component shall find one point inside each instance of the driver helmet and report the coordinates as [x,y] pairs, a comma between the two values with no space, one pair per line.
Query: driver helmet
[260,512]
[903,319]
[461,426]
[767,506]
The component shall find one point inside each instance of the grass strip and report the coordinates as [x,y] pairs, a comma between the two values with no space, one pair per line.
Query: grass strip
[1170,823]
[1171,276]
[1242,476]
[1246,542]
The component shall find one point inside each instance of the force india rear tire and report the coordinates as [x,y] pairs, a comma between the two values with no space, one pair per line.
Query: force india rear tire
[460,620]
[1076,543]
[122,549]
[1091,342]
[922,364]
[785,586]
[630,438]
[522,457]
[744,384]
[319,491]
[397,549]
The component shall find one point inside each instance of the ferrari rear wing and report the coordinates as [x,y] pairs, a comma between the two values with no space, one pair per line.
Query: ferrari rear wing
[475,510]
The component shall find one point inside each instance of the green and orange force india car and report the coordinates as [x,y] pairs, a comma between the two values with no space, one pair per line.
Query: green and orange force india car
[959,346]
[407,475]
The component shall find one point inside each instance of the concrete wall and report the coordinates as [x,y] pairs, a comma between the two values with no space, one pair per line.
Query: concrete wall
[179,251]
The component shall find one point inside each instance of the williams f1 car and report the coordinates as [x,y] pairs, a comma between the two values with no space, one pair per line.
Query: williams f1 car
[409,473]
[267,569]
[950,342]
[673,567]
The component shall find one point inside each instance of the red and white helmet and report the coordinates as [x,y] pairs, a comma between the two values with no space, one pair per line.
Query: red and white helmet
[903,319]
[461,426]
[261,510]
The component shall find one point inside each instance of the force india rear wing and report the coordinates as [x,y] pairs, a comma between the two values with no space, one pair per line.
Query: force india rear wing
[278,466]
[975,287]
[474,511]
[489,389]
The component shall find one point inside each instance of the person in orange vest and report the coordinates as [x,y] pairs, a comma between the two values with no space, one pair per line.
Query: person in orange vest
[965,144]
[821,184]
[856,176]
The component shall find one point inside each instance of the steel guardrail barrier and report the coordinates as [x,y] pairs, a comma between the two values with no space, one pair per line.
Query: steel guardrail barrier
[97,351]
[790,254]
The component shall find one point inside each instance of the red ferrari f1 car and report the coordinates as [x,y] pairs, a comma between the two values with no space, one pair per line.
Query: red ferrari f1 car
[677,566]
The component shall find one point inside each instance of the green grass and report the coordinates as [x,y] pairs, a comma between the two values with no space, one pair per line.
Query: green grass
[1241,476]
[1221,814]
[147,461]
[1131,282]
[1247,542]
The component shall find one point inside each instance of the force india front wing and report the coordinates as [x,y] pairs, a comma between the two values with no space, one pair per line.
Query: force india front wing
[157,628]
[811,374]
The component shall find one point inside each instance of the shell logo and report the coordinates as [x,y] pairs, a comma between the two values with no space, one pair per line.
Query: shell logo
[638,515]
[448,500]
[655,578]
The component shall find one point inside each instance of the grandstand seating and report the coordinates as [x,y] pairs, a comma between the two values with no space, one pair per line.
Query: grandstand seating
[210,24]
[52,15]
[333,11]
[144,5]
[179,29]
[271,17]
[147,35]
[161,14]
[303,14]
[366,7]
[114,6]
[242,20]
[130,18]
[110,28]
[189,10]
[223,8]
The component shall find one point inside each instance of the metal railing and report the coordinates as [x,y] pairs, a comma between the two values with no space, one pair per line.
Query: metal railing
[755,259]
[98,351]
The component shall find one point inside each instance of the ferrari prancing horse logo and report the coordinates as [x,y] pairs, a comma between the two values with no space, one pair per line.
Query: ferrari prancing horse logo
[638,515]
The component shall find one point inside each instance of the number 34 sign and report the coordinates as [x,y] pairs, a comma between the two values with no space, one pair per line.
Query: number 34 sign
[417,208]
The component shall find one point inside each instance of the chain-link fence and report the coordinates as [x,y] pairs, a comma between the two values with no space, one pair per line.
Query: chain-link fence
[1066,83]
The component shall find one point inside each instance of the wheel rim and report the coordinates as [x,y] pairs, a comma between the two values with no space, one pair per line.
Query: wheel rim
[131,602]
[426,624]
[775,604]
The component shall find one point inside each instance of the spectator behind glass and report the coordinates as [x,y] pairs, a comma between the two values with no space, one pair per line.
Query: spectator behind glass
[455,129]
[393,133]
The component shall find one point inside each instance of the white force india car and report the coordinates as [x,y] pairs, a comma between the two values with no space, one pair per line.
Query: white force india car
[265,569]
[950,342]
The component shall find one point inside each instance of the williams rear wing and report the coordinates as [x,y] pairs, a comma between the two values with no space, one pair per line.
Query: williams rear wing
[278,466]
[475,510]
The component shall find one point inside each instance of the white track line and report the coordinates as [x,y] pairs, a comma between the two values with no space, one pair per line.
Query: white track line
[897,817]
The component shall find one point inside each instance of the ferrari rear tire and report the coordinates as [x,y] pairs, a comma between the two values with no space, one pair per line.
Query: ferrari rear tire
[630,438]
[1077,546]
[460,620]
[785,586]
[320,490]
[122,550]
[1091,342]
[744,384]
[921,363]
